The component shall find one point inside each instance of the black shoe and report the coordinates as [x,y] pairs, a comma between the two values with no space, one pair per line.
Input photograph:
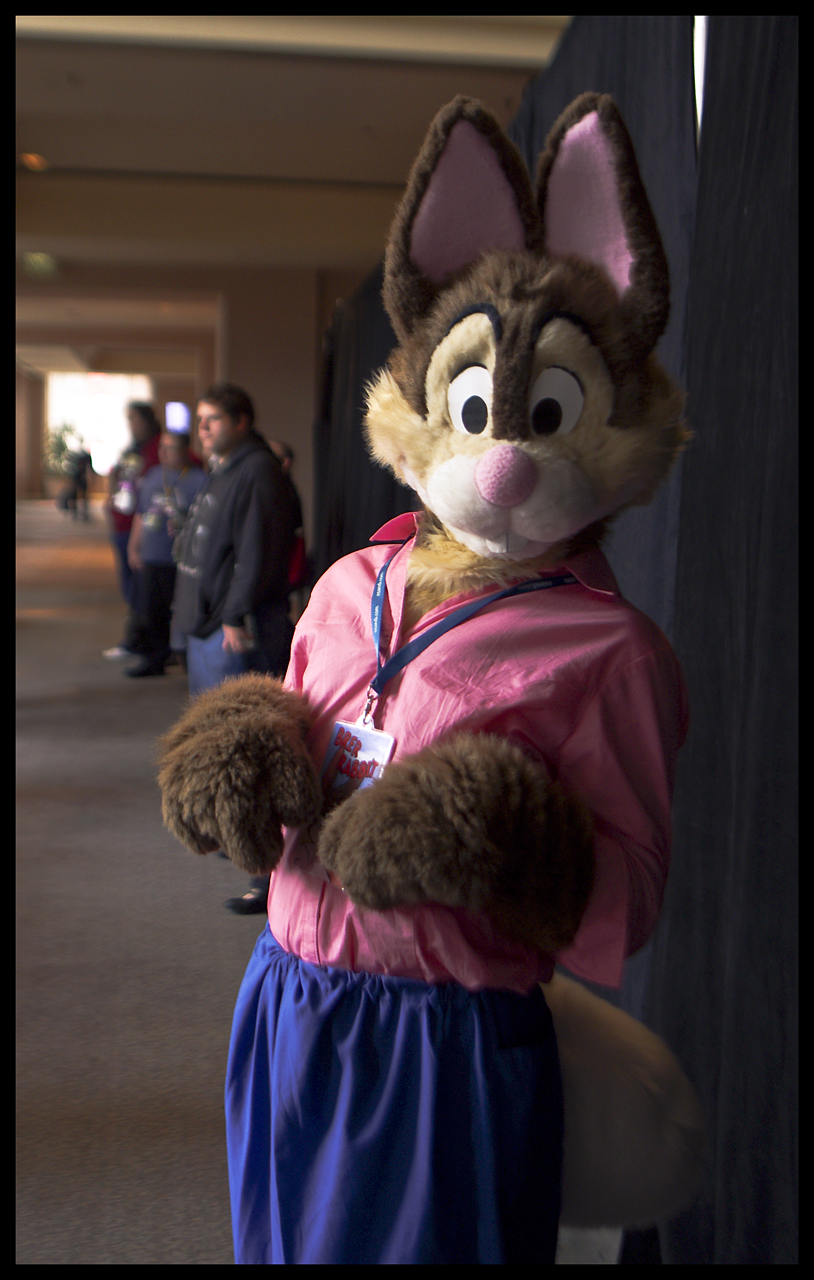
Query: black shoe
[252,903]
[146,669]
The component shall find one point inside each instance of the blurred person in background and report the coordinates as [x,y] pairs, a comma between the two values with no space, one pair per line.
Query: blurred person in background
[285,455]
[165,495]
[300,568]
[76,464]
[138,458]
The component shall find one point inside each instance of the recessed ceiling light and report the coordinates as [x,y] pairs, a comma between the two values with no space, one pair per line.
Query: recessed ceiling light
[39,264]
[32,161]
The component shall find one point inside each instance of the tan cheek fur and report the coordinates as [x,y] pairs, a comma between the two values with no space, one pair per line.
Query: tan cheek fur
[395,433]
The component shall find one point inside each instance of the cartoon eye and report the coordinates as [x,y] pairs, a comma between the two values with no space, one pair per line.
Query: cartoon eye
[469,397]
[556,402]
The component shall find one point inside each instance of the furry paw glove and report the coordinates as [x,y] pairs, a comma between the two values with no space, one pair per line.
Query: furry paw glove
[234,769]
[469,822]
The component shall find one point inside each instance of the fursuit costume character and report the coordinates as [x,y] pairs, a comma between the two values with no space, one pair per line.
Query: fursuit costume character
[467,773]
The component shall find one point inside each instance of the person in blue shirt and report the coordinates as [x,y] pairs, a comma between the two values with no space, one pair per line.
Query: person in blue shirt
[165,495]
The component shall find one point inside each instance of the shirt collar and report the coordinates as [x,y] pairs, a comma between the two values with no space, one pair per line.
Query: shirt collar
[400,529]
[593,571]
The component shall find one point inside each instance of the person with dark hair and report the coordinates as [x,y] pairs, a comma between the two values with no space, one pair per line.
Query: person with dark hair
[139,456]
[232,587]
[231,400]
[76,463]
[165,496]
[300,567]
[285,454]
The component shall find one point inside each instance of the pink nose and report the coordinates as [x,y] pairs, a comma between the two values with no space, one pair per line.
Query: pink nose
[505,476]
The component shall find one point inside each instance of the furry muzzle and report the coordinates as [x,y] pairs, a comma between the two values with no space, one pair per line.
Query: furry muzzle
[503,503]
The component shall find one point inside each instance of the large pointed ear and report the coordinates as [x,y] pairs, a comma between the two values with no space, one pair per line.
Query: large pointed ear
[593,205]
[468,192]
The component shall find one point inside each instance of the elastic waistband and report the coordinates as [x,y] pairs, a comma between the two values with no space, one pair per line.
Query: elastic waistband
[450,996]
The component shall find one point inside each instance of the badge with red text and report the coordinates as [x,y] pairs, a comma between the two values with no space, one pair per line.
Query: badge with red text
[355,758]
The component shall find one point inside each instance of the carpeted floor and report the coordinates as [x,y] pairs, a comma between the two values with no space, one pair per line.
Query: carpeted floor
[127,961]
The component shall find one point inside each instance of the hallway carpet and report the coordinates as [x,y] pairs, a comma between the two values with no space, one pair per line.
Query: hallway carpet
[128,964]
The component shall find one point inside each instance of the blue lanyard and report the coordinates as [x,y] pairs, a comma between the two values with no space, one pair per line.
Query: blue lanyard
[400,659]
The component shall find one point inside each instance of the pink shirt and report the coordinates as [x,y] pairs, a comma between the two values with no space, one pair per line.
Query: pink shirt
[580,679]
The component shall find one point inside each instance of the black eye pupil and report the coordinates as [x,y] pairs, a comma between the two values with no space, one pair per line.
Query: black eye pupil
[546,417]
[474,415]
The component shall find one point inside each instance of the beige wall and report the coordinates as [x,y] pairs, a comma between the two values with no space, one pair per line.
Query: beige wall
[269,349]
[29,414]
[268,339]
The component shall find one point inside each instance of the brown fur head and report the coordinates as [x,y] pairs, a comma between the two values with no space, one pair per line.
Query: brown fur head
[524,403]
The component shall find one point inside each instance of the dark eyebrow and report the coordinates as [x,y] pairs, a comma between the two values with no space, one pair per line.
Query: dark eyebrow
[481,308]
[548,316]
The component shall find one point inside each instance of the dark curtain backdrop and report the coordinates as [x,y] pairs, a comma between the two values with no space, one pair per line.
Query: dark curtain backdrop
[713,560]
[724,980]
[354,496]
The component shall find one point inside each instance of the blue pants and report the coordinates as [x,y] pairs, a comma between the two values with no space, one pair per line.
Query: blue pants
[208,663]
[383,1120]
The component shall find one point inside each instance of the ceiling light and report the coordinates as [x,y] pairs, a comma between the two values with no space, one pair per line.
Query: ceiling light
[39,264]
[32,161]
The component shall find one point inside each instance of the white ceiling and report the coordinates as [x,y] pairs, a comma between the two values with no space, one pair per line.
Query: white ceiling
[246,140]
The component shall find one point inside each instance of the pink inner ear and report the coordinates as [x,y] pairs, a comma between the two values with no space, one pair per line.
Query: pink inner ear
[582,212]
[467,209]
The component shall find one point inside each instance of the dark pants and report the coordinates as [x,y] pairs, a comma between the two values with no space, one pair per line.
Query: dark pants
[69,498]
[155,588]
[129,585]
[128,580]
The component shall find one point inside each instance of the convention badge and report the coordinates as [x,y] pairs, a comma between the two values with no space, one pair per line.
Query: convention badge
[354,759]
[124,499]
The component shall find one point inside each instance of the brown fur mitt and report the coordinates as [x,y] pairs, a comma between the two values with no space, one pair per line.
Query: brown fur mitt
[235,768]
[468,822]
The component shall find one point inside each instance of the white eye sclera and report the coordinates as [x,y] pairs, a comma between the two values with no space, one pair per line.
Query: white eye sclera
[556,401]
[469,398]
